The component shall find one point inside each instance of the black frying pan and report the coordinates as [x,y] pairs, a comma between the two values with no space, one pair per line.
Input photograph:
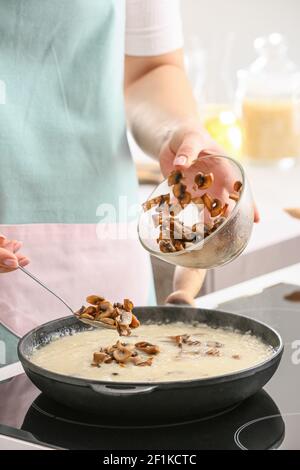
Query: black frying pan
[160,401]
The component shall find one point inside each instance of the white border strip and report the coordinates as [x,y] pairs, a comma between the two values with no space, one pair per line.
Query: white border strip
[12,443]
[12,370]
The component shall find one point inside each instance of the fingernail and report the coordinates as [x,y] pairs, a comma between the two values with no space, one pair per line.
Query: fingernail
[181,160]
[24,261]
[11,263]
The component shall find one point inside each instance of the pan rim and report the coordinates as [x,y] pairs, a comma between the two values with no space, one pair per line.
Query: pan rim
[85,382]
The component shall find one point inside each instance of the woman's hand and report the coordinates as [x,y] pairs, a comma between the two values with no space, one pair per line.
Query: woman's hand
[187,143]
[10,259]
[187,283]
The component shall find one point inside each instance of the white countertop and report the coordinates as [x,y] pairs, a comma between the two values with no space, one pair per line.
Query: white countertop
[290,275]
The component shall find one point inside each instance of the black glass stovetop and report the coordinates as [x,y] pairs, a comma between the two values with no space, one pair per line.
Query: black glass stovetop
[268,420]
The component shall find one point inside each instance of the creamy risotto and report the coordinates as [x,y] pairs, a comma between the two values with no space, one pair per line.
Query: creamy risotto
[208,352]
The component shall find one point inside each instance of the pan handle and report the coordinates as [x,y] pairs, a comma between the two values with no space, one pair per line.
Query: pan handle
[115,391]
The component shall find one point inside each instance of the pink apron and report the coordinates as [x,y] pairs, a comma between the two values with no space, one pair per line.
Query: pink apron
[84,264]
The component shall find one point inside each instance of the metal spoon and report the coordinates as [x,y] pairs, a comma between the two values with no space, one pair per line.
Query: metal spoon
[94,323]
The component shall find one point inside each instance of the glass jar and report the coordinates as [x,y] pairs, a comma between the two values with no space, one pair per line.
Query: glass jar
[268,98]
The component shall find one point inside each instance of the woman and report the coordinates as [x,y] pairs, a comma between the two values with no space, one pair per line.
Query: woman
[63,146]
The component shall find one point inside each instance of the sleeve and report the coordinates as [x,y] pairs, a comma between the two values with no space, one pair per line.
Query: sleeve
[153,27]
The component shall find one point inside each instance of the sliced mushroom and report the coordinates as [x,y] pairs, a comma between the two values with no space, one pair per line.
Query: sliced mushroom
[207,201]
[135,322]
[234,196]
[224,210]
[192,342]
[147,348]
[237,186]
[115,313]
[100,357]
[216,208]
[80,311]
[109,360]
[179,190]
[122,354]
[220,221]
[106,305]
[136,360]
[94,299]
[208,229]
[164,199]
[179,339]
[175,177]
[178,245]
[185,199]
[166,246]
[128,305]
[108,321]
[149,204]
[87,316]
[213,352]
[198,227]
[123,330]
[148,362]
[118,305]
[125,318]
[204,181]
[198,201]
[90,311]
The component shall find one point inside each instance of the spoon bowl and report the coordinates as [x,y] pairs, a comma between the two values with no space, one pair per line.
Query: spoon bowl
[94,323]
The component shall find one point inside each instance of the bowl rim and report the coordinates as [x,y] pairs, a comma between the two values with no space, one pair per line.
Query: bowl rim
[195,247]
[230,376]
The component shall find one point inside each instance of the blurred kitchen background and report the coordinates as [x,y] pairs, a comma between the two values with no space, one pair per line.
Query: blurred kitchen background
[243,58]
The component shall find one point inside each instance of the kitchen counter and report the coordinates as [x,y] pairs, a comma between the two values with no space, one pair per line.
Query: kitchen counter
[289,275]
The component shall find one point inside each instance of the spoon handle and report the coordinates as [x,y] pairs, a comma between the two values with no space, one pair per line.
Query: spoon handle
[45,287]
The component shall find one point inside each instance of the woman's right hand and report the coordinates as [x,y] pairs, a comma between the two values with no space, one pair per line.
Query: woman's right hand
[10,259]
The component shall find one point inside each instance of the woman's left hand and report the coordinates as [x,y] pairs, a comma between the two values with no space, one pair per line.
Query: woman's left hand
[10,258]
[184,145]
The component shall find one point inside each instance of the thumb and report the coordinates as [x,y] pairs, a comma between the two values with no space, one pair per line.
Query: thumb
[189,150]
[7,259]
[180,297]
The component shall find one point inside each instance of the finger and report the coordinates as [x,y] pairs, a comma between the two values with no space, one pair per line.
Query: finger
[16,246]
[256,214]
[8,261]
[12,245]
[2,238]
[188,150]
[8,244]
[23,260]
[180,298]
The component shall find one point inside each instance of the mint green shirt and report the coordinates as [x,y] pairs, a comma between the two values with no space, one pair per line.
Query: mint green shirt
[63,146]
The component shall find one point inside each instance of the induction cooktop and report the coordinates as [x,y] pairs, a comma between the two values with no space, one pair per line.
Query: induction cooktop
[268,420]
